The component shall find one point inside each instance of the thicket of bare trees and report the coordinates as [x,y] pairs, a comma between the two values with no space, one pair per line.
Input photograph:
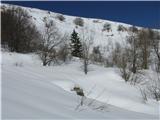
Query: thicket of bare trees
[19,34]
[135,56]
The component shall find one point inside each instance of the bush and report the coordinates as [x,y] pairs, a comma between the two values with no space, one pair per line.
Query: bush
[64,53]
[79,22]
[154,87]
[107,27]
[121,28]
[60,17]
[133,29]
[150,85]
[96,55]
[96,21]
[78,90]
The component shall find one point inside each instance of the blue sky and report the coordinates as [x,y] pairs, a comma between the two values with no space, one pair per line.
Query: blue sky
[144,13]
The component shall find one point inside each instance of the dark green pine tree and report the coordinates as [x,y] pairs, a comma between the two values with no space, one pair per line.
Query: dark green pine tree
[76,46]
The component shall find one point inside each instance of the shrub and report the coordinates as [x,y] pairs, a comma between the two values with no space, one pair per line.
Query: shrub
[107,27]
[150,85]
[121,28]
[96,21]
[60,17]
[133,29]
[79,22]
[78,90]
[64,52]
[96,55]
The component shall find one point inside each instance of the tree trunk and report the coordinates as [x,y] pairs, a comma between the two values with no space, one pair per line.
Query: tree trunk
[44,63]
[85,66]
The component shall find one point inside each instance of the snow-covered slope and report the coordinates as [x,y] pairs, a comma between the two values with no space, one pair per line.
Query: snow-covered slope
[30,91]
[91,26]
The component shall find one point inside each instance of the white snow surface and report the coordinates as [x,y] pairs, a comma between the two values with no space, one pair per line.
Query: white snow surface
[32,91]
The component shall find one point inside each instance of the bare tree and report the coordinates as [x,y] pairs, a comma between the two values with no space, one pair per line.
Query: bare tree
[133,49]
[120,58]
[64,52]
[155,40]
[50,40]
[124,65]
[144,46]
[86,47]
[153,85]
[149,84]
[143,93]
[116,53]
[96,55]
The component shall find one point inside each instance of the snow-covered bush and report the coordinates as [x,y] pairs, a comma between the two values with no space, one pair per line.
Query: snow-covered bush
[79,22]
[78,90]
[96,55]
[107,27]
[133,29]
[96,21]
[120,59]
[60,17]
[121,28]
[64,53]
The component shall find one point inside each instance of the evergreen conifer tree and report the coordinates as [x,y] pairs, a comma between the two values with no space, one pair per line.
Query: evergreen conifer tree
[76,46]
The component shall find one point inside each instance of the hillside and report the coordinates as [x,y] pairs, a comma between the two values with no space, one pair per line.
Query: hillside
[102,37]
[32,90]
[91,26]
